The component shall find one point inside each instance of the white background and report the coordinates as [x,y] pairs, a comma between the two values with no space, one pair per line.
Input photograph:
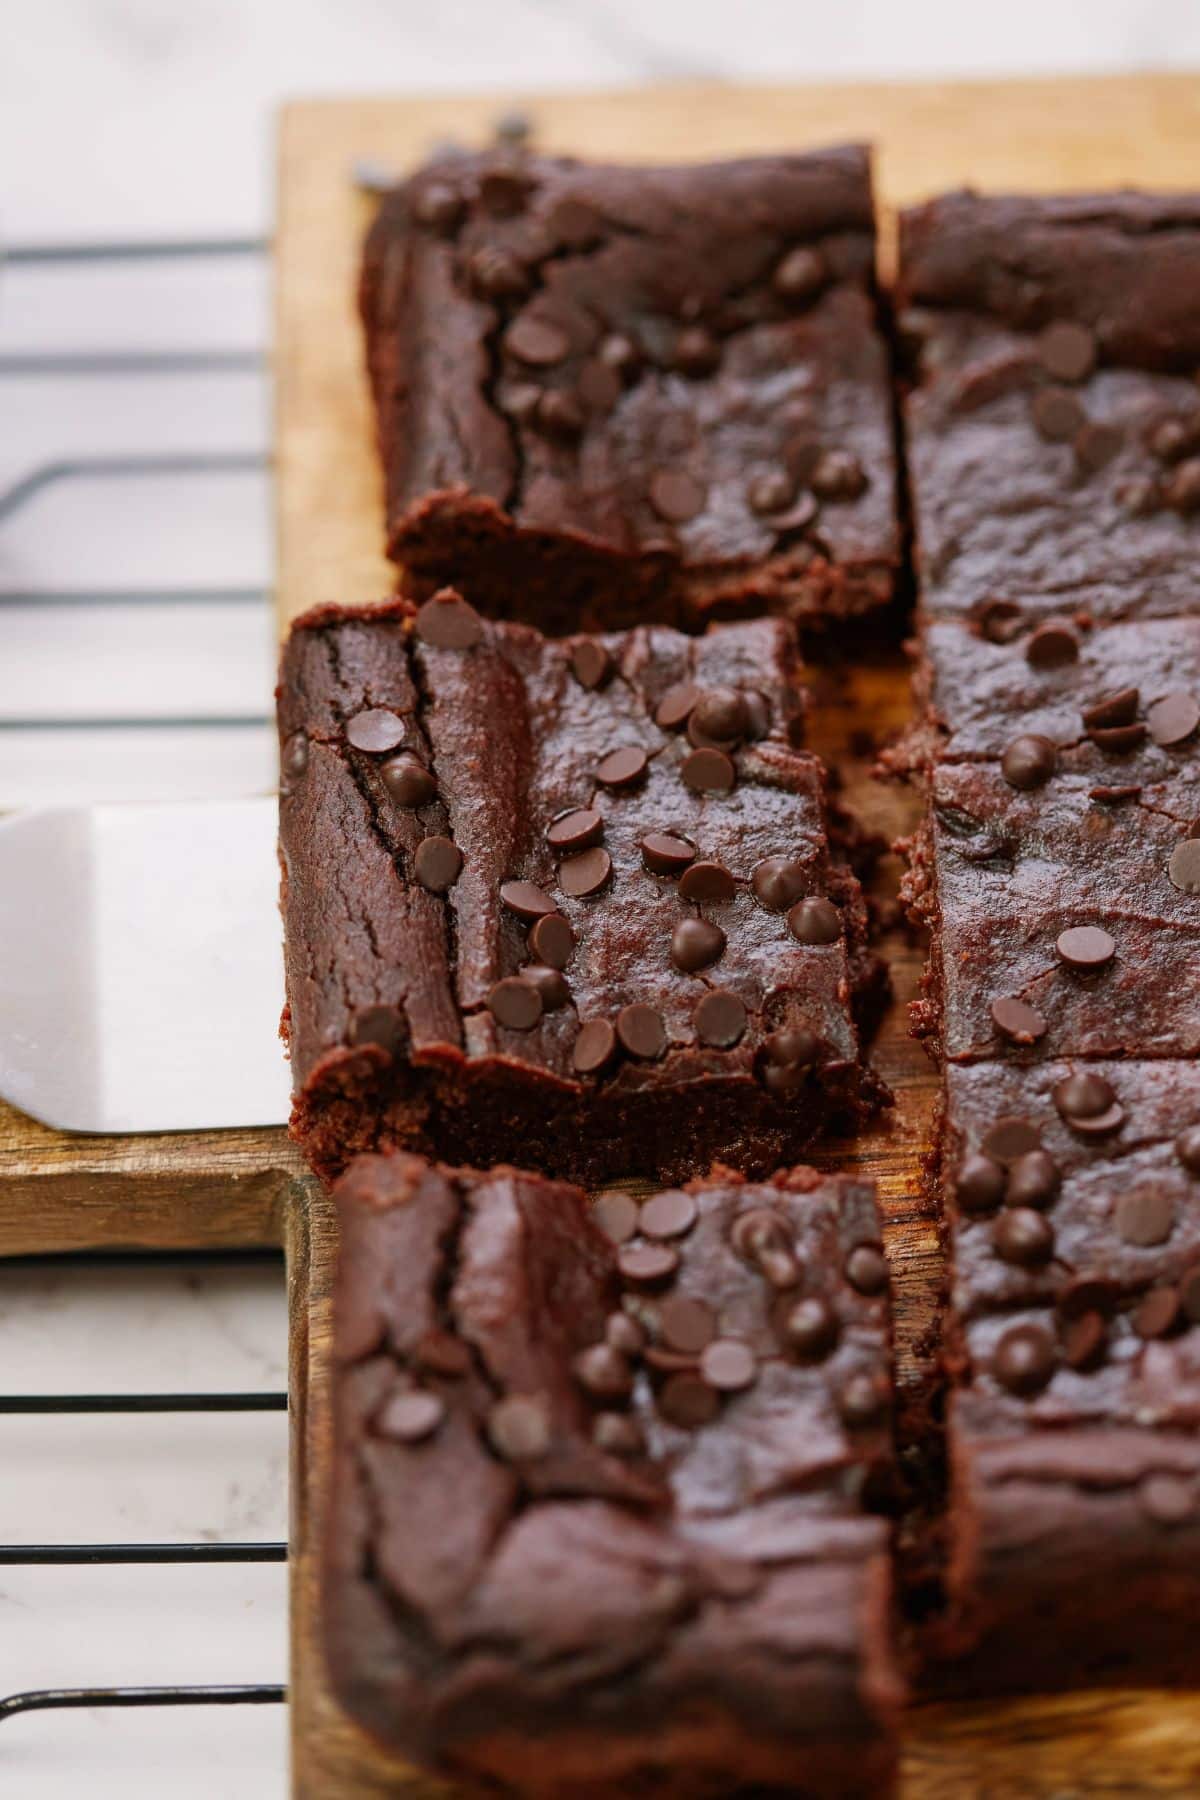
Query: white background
[136,118]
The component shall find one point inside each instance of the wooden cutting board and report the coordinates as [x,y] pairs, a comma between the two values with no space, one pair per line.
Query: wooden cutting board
[1027,136]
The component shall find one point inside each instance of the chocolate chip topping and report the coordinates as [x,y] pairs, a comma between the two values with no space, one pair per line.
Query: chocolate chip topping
[1187,1149]
[670,1214]
[800,275]
[729,1365]
[1144,1216]
[1009,1138]
[591,663]
[550,984]
[838,475]
[1029,761]
[1119,708]
[718,719]
[1086,947]
[383,1026]
[560,415]
[620,353]
[438,206]
[408,781]
[552,940]
[697,351]
[1023,1237]
[447,622]
[709,881]
[437,863]
[594,1048]
[622,768]
[584,874]
[647,1264]
[616,1215]
[496,274]
[809,1328]
[538,342]
[686,1325]
[1082,1095]
[1158,1313]
[777,882]
[603,1372]
[665,854]
[575,829]
[1096,443]
[1033,1180]
[866,1269]
[1066,350]
[515,1003]
[1173,719]
[1019,1023]
[786,1056]
[1024,1359]
[375,730]
[1053,645]
[1000,621]
[1183,489]
[1057,414]
[709,772]
[676,496]
[720,1019]
[675,706]
[687,1401]
[862,1401]
[1183,869]
[617,1435]
[771,492]
[979,1185]
[815,921]
[1085,1341]
[411,1417]
[526,900]
[695,944]
[519,1428]
[641,1031]
[1189,1293]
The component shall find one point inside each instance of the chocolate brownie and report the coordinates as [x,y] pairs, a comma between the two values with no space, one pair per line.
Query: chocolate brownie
[609,396]
[603,1513]
[1053,431]
[1073,1196]
[572,902]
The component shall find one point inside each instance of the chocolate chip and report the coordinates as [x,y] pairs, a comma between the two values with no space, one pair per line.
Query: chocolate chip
[616,1215]
[837,475]
[496,274]
[686,1324]
[771,492]
[503,188]
[1087,1293]
[549,983]
[1053,645]
[1187,1149]
[1000,621]
[809,1328]
[383,1026]
[1033,1180]
[1182,492]
[1167,1499]
[1183,869]
[411,1416]
[676,704]
[1066,350]
[707,881]
[575,829]
[603,1372]
[591,663]
[786,1057]
[1158,1313]
[1024,1359]
[676,496]
[669,1214]
[641,1031]
[1120,739]
[1057,414]
[560,415]
[438,206]
[515,1003]
[665,854]
[647,1264]
[620,353]
[720,1019]
[815,921]
[1009,1138]
[777,882]
[866,1269]
[552,941]
[617,1435]
[519,1428]
[697,351]
[695,944]
[437,863]
[1014,1020]
[1173,719]
[584,874]
[1022,1236]
[1189,1293]
[1139,495]
[709,772]
[1086,947]
[729,1365]
[1144,1216]
[862,1401]
[375,730]
[1082,1095]
[447,622]
[718,720]
[594,1048]
[442,1353]
[1112,796]
[1096,443]
[1114,709]
[295,755]
[757,1231]
[527,901]
[624,1334]
[800,275]
[687,1401]
[538,342]
[1085,1341]
[1029,761]
[1169,438]
[622,768]
[408,781]
[979,1184]
[598,386]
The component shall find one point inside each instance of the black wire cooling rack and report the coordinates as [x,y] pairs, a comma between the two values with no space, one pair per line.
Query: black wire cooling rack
[135,364]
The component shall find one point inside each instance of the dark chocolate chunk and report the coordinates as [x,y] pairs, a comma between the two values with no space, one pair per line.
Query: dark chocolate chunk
[295,755]
[1082,1095]
[719,718]
[862,1401]
[1009,1138]
[1085,1341]
[604,1373]
[1183,868]
[674,708]
[866,1269]
[800,275]
[1144,1216]
[617,1434]
[838,475]
[382,1026]
[686,1325]
[1158,1313]
[1057,414]
[550,984]
[1187,1149]
[538,342]
[697,352]
[560,415]
[687,1401]
[669,1214]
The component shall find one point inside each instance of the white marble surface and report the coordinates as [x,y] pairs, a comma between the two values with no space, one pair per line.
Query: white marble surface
[129,118]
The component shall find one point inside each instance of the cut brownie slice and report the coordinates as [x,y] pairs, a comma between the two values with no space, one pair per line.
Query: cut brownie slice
[571,903]
[601,1505]
[615,395]
[1073,1429]
[1054,430]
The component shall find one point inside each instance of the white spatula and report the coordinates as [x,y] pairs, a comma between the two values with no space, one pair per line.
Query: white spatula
[141,971]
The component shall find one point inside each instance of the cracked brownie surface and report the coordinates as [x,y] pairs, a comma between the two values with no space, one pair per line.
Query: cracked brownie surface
[610,395]
[603,1482]
[572,902]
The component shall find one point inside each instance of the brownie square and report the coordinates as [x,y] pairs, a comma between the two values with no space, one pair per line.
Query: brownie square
[1053,430]
[600,1516]
[572,903]
[1073,1449]
[609,396]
